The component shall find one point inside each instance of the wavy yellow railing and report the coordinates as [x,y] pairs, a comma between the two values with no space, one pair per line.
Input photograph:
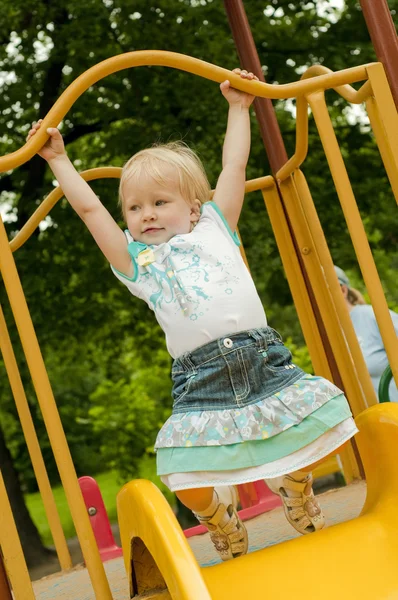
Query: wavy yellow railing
[175,61]
[346,91]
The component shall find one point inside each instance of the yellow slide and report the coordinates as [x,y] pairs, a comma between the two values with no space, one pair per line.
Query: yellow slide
[355,559]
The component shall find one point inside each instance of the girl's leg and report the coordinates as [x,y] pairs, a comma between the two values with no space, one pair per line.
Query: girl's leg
[215,508]
[198,499]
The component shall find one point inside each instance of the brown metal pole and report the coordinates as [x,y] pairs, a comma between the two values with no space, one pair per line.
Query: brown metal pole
[5,590]
[249,60]
[384,38]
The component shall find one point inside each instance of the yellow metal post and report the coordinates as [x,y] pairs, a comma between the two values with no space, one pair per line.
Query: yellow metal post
[14,560]
[338,299]
[356,228]
[52,420]
[387,155]
[32,442]
[296,281]
[303,306]
[323,298]
[386,107]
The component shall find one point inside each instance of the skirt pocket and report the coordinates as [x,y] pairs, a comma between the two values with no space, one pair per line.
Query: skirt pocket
[182,384]
[278,358]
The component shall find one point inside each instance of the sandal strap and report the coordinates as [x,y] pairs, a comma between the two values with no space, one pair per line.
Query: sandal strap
[297,513]
[236,536]
[231,525]
[239,547]
[218,517]
[293,502]
[296,486]
[303,522]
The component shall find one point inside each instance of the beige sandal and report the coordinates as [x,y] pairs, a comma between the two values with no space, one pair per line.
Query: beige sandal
[227,531]
[301,507]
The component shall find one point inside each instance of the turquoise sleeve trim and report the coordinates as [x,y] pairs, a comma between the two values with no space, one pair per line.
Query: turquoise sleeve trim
[132,279]
[136,271]
[233,234]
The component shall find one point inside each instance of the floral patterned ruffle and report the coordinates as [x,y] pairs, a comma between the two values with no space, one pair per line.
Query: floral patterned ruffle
[257,421]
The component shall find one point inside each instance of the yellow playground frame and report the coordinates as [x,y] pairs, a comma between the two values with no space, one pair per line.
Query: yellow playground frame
[148,528]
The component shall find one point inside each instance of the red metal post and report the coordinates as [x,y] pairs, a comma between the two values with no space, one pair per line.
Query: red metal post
[384,38]
[99,519]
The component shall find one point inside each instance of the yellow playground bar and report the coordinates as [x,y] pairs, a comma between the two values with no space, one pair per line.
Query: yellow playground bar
[358,557]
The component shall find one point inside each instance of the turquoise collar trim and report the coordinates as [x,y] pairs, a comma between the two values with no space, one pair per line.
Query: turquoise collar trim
[215,206]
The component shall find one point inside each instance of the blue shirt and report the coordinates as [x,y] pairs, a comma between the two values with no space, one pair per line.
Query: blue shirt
[368,334]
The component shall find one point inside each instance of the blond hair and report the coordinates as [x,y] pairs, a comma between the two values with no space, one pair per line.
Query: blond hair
[193,181]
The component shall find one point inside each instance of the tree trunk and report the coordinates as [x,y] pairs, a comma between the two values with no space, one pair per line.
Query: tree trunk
[34,550]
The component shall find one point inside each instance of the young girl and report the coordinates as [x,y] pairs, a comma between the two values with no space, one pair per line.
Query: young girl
[242,410]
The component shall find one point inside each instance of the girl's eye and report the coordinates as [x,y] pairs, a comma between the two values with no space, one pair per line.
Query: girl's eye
[160,202]
[134,208]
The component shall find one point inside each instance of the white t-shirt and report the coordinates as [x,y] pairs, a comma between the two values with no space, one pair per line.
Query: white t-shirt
[204,272]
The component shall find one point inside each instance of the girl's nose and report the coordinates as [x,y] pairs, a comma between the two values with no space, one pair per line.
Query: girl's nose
[148,214]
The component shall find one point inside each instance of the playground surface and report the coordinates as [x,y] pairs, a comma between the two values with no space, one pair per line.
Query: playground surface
[268,529]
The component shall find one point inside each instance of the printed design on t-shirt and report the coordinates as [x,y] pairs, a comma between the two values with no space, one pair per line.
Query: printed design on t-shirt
[191,275]
[226,266]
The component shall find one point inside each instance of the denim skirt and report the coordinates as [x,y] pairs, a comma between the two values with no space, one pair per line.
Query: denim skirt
[239,401]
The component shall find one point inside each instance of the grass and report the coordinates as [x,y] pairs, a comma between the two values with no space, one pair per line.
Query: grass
[109,484]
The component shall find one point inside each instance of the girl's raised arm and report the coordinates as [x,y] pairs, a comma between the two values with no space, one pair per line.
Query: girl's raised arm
[104,229]
[230,189]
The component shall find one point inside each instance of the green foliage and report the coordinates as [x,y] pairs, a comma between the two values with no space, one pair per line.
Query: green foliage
[126,412]
[36,508]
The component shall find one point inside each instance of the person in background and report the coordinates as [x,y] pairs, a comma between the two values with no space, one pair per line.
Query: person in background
[364,321]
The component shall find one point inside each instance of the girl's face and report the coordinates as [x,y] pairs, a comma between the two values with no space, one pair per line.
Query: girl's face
[154,212]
